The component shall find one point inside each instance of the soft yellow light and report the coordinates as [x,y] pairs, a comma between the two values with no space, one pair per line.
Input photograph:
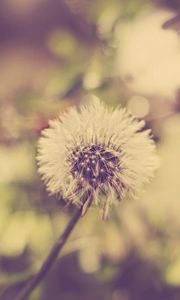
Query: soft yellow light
[89,260]
[138,106]
[92,80]
[107,20]
[16,163]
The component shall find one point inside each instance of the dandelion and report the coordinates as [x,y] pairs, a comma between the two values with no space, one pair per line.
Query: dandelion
[96,155]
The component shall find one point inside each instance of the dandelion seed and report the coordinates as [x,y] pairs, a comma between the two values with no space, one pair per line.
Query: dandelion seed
[96,155]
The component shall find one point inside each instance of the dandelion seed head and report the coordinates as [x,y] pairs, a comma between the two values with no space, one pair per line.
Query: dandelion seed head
[97,154]
[95,164]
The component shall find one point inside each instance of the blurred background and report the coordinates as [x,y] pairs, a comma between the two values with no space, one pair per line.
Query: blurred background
[58,53]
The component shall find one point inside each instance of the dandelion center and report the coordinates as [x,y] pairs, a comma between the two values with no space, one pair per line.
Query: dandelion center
[94,165]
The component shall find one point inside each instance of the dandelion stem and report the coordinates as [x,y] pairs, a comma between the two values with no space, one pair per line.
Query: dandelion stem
[31,285]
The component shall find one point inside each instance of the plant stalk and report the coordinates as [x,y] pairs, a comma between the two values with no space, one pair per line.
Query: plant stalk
[31,285]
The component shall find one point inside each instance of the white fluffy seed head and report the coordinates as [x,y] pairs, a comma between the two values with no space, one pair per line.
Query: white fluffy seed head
[96,153]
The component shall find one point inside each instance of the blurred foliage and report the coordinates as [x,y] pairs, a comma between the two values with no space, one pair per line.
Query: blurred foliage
[54,54]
